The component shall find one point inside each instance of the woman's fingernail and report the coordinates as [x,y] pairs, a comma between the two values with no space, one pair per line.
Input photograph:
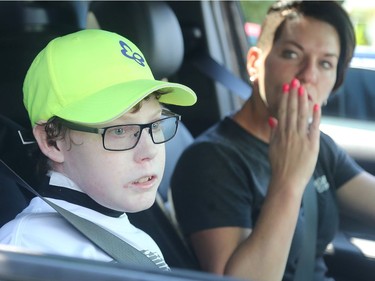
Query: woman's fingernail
[301,91]
[272,122]
[285,88]
[316,107]
[295,83]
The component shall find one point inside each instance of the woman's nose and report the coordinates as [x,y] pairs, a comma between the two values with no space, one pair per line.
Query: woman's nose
[308,73]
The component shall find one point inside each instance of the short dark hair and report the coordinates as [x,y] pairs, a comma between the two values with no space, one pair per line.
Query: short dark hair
[330,12]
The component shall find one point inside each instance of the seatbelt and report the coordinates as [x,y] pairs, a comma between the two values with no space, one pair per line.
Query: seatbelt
[306,263]
[115,247]
[217,72]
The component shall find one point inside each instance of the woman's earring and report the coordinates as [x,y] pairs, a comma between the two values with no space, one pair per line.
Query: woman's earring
[252,79]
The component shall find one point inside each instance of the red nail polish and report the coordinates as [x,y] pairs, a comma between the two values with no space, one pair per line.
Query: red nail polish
[301,91]
[295,83]
[271,122]
[285,88]
[316,107]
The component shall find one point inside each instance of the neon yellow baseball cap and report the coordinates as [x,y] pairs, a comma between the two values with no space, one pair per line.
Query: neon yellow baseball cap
[92,77]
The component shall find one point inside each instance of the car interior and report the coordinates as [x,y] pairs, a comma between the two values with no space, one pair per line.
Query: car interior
[188,42]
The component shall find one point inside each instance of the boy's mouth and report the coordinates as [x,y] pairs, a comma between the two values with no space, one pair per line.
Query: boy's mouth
[143,180]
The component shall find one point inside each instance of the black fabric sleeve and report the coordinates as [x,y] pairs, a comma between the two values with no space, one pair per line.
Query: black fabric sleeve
[343,167]
[209,188]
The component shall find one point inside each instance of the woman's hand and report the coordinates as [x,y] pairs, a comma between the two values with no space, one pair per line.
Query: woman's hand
[294,143]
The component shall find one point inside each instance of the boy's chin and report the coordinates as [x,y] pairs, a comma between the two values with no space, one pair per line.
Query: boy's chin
[141,206]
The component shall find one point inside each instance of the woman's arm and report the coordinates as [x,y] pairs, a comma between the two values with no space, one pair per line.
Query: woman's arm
[357,198]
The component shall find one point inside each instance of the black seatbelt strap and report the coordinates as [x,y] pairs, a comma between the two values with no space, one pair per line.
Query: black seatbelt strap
[306,263]
[217,72]
[115,247]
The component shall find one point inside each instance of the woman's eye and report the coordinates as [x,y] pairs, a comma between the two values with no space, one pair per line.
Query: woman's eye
[326,64]
[289,54]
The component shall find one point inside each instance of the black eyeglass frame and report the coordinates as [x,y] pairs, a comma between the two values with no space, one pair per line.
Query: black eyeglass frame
[102,131]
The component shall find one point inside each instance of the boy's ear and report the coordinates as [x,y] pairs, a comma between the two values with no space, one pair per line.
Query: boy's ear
[52,151]
[252,64]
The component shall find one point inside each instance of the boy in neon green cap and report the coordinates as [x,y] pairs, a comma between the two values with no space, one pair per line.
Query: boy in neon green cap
[96,113]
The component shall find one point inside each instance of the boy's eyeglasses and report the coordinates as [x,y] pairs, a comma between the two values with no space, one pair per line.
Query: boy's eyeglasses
[126,137]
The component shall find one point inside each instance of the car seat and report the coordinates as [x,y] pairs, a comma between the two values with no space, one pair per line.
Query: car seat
[355,99]
[151,25]
[26,27]
[12,198]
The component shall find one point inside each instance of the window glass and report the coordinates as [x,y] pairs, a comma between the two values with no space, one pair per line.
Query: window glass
[253,15]
[362,14]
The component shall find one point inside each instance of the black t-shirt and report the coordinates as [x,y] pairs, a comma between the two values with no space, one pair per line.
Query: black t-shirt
[222,179]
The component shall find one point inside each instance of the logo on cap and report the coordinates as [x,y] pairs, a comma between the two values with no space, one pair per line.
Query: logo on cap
[128,52]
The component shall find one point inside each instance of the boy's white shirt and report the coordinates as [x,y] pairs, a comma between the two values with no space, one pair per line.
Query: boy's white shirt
[40,228]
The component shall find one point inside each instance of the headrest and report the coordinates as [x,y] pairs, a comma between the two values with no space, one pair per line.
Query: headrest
[37,16]
[26,27]
[13,151]
[152,26]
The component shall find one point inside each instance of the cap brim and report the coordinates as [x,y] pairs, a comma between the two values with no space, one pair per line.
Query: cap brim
[110,103]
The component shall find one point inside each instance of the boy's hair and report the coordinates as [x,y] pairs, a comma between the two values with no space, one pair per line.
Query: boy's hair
[327,11]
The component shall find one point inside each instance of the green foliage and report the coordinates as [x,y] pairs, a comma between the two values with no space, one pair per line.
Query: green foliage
[362,20]
[255,11]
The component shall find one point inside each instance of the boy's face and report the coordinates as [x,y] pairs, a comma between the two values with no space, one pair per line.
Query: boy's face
[121,180]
